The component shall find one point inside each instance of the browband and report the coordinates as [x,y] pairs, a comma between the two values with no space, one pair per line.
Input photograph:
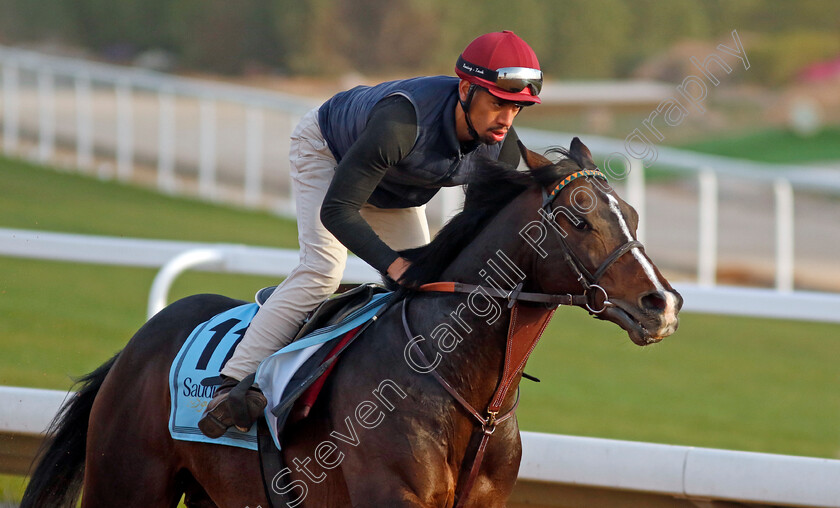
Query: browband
[574,176]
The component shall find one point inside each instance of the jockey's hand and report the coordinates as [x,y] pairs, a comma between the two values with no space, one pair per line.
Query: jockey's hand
[398,268]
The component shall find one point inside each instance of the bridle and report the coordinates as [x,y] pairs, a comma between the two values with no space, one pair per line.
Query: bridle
[587,279]
[589,299]
[527,324]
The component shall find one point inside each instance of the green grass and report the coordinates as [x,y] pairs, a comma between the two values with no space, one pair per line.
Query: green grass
[722,382]
[774,145]
[64,319]
[11,489]
[37,198]
[726,382]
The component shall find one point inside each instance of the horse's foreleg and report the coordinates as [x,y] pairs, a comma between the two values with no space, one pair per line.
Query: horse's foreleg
[408,478]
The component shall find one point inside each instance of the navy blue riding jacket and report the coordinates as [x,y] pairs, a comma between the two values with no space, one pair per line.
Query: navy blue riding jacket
[435,161]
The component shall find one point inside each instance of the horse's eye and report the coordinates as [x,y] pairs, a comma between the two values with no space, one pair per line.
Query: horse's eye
[581,224]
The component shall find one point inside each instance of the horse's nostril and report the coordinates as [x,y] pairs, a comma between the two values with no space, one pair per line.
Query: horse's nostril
[655,301]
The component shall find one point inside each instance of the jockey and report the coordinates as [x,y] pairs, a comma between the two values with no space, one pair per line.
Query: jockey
[363,166]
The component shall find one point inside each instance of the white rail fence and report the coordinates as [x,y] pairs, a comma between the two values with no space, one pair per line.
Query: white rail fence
[561,471]
[556,469]
[231,142]
[782,178]
[131,116]
[173,258]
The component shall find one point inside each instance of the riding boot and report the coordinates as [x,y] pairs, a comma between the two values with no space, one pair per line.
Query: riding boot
[236,403]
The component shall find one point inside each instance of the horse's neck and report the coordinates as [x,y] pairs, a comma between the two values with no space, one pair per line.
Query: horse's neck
[497,257]
[474,366]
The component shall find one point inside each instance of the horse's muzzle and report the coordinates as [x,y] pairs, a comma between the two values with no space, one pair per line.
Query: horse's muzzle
[649,320]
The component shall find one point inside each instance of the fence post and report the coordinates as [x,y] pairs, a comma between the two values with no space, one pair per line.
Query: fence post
[707,248]
[84,122]
[784,234]
[166,142]
[207,149]
[46,103]
[636,194]
[10,106]
[253,156]
[125,128]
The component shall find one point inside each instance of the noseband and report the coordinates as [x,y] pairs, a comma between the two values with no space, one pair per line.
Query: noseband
[587,279]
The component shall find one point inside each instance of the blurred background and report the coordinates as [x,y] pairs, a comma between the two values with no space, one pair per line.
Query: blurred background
[168,120]
[318,47]
[609,64]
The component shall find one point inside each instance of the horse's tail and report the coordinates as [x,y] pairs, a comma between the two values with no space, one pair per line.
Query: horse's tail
[57,480]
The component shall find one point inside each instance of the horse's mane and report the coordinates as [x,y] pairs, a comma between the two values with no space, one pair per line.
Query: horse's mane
[489,189]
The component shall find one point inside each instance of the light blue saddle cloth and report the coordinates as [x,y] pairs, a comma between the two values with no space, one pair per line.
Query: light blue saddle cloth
[211,345]
[203,355]
[275,372]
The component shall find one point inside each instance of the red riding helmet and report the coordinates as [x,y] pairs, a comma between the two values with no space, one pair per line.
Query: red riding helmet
[503,64]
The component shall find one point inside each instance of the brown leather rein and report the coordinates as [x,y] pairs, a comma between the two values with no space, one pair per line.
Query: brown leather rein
[527,324]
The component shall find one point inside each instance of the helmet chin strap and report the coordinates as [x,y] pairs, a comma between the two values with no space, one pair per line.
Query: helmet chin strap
[465,105]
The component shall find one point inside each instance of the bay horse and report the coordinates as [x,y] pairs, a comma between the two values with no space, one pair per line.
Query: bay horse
[382,433]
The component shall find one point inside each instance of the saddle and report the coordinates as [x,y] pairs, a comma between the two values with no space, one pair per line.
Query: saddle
[332,310]
[213,343]
[327,321]
[305,385]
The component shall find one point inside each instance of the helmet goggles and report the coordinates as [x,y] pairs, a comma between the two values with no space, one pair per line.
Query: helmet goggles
[510,79]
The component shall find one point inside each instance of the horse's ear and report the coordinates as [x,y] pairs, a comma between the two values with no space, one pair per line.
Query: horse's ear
[578,148]
[532,159]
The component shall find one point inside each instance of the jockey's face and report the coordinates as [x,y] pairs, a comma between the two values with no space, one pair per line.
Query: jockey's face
[491,117]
